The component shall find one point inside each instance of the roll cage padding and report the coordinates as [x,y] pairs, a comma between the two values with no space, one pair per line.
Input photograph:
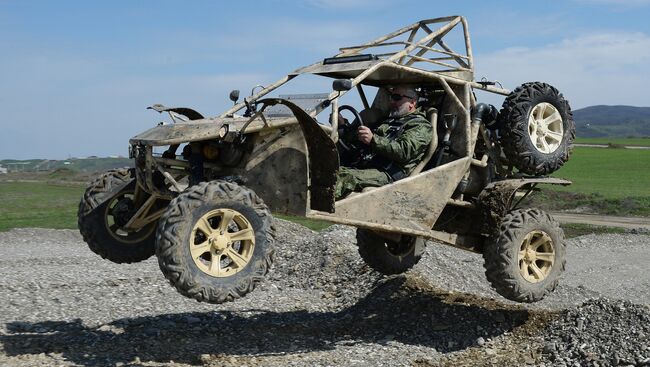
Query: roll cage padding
[323,157]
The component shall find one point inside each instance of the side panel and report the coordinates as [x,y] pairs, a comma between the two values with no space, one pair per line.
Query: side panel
[323,157]
[413,203]
[277,170]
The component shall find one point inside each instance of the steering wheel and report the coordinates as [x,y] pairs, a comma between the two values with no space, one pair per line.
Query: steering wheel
[356,114]
[350,126]
[354,152]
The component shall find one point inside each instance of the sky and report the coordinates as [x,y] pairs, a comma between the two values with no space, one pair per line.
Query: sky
[76,76]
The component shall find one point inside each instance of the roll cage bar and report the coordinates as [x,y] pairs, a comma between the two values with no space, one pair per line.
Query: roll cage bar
[427,59]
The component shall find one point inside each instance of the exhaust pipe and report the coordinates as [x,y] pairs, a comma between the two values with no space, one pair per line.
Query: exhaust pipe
[486,114]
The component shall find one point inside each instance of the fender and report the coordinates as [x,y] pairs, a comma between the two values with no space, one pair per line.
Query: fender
[323,156]
[497,198]
[187,112]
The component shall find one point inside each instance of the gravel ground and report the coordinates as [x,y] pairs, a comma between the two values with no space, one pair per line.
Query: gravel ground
[321,306]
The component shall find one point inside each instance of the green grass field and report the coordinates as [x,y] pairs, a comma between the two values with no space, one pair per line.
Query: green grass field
[43,205]
[572,230]
[644,142]
[605,181]
[612,173]
[609,181]
[46,205]
[38,204]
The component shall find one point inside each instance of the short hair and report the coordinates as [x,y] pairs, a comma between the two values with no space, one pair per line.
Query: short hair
[409,88]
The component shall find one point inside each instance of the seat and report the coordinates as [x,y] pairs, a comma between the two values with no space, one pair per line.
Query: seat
[378,111]
[432,116]
[373,116]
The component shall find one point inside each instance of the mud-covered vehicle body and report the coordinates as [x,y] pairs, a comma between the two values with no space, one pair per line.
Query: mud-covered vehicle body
[203,189]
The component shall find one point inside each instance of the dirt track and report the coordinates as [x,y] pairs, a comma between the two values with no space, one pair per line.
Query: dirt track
[641,147]
[63,305]
[603,220]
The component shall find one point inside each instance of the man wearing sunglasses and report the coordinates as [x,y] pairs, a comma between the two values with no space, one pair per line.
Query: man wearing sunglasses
[396,146]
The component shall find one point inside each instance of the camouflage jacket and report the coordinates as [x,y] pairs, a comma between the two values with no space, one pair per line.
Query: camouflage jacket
[403,141]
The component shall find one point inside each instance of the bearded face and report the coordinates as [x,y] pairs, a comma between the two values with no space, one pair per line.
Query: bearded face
[401,106]
[399,110]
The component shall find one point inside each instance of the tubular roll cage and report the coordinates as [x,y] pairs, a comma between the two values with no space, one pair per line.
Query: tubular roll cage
[419,60]
[420,51]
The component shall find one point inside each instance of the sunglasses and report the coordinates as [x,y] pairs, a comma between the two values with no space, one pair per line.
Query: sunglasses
[398,97]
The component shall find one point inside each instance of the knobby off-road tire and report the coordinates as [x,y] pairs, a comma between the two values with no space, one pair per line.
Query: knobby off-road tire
[389,257]
[102,211]
[524,260]
[215,242]
[537,128]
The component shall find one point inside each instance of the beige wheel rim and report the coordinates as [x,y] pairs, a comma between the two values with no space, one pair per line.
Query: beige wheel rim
[536,256]
[545,127]
[222,242]
[114,224]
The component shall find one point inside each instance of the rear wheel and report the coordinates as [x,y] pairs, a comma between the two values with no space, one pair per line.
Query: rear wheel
[389,257]
[215,242]
[537,128]
[105,208]
[524,260]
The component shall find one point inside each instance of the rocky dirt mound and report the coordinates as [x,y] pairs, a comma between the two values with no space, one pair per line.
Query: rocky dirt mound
[325,261]
[600,332]
[320,306]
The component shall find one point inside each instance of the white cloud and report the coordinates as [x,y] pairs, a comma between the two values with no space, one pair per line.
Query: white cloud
[602,68]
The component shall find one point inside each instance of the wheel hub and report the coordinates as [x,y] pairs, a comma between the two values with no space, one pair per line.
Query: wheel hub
[219,242]
[545,127]
[119,211]
[222,242]
[123,211]
[536,256]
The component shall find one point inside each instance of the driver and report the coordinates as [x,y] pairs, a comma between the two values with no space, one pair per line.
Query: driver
[396,146]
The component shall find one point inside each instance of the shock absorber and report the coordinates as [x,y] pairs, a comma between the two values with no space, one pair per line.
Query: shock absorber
[196,165]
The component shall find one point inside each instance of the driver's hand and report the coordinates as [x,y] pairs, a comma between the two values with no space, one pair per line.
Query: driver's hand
[364,134]
[342,120]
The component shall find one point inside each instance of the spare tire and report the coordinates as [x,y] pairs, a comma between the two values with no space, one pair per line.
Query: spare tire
[537,128]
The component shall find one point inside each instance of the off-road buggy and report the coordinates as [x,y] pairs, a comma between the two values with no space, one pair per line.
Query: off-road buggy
[203,189]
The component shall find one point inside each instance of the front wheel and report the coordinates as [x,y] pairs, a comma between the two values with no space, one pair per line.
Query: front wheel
[524,259]
[215,242]
[105,208]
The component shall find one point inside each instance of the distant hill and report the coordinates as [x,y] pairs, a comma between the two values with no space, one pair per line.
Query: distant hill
[90,164]
[612,121]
